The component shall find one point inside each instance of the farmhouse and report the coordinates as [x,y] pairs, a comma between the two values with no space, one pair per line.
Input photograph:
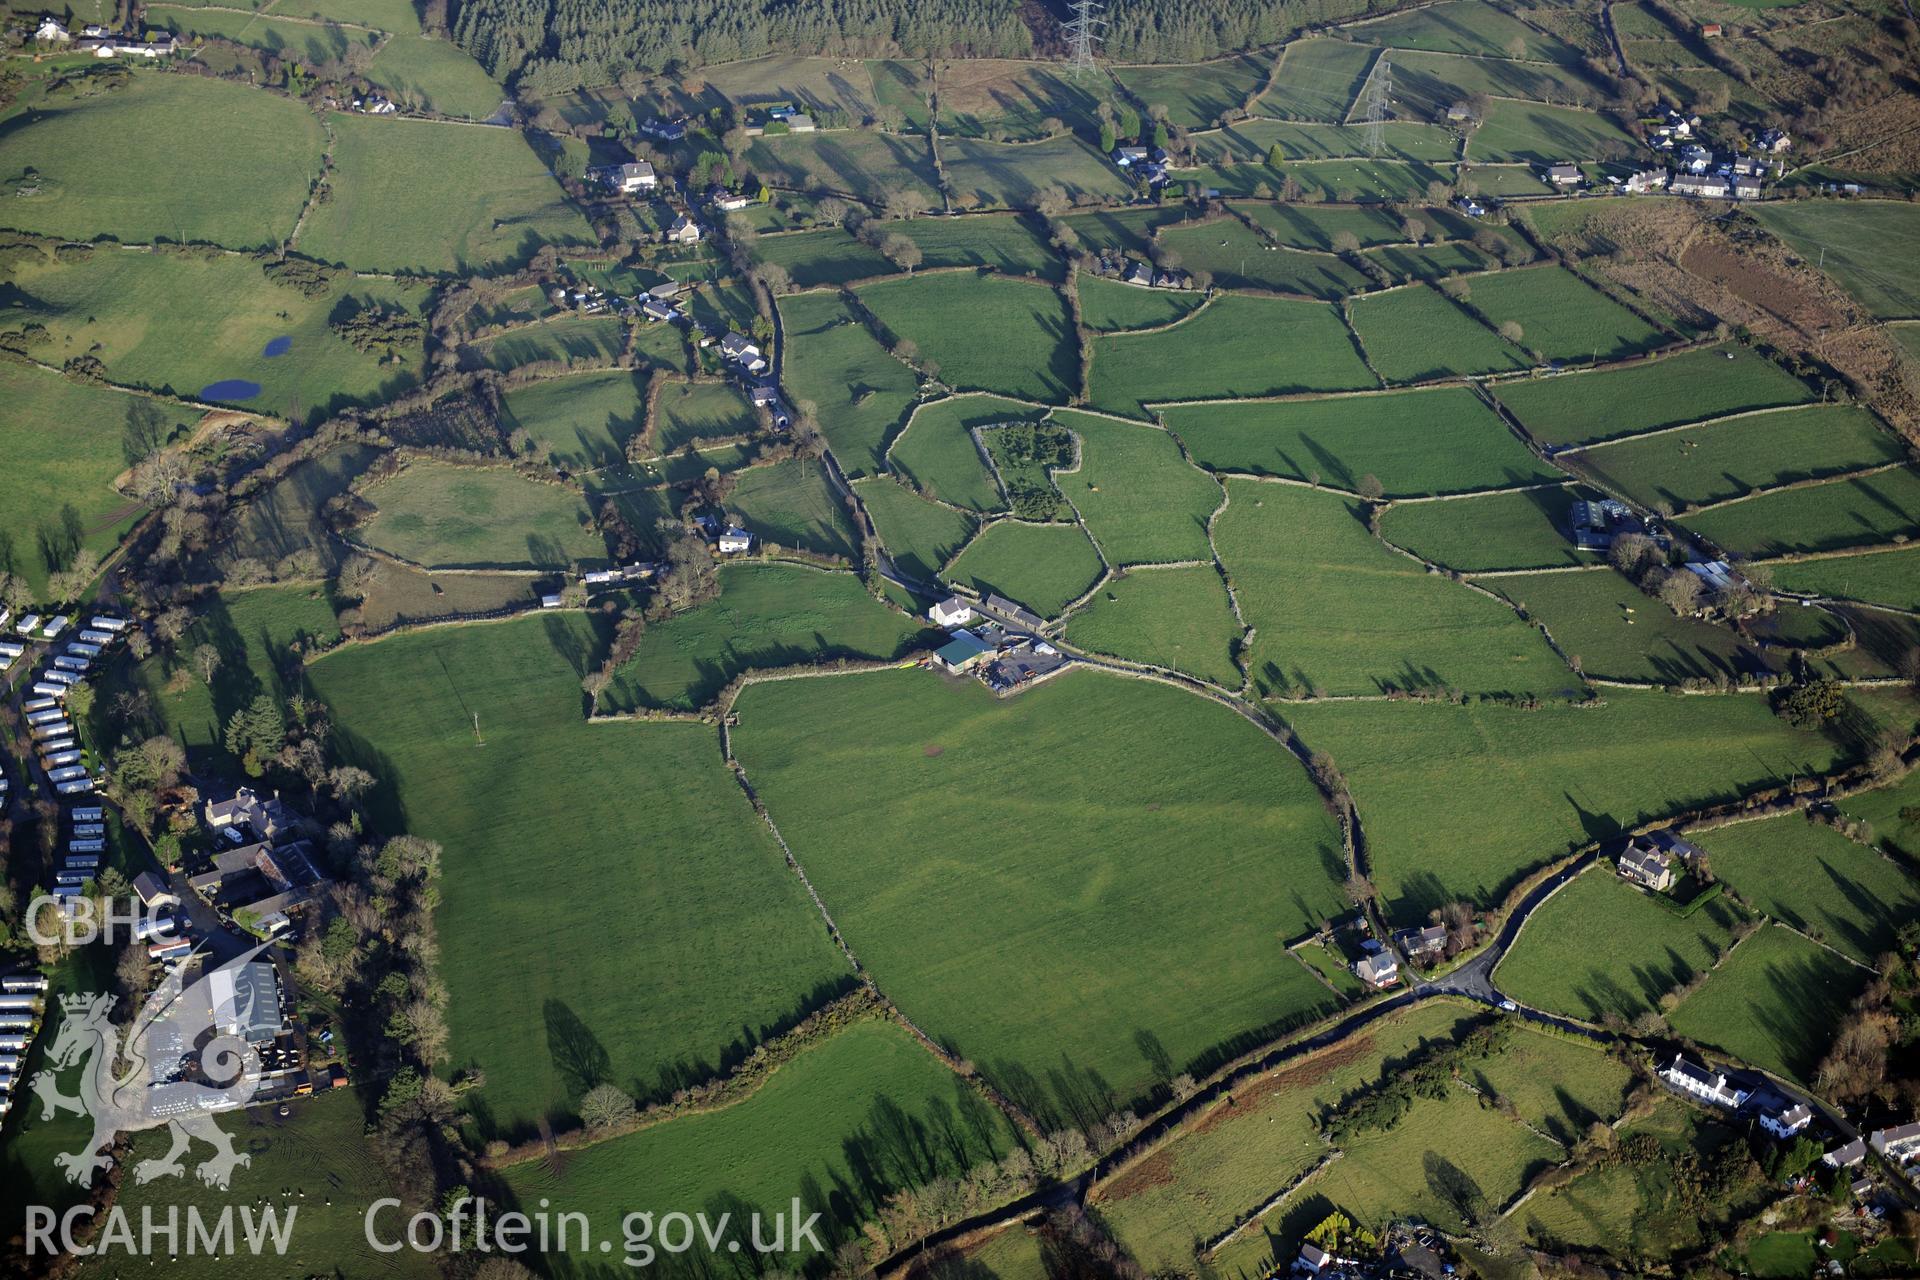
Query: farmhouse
[734,540]
[51,31]
[1785,1122]
[1645,866]
[962,652]
[1139,273]
[634,176]
[684,231]
[247,813]
[1564,175]
[1702,186]
[743,351]
[1846,1155]
[665,130]
[1774,141]
[1711,1087]
[1470,206]
[1379,971]
[1421,943]
[951,612]
[1645,180]
[1597,523]
[727,201]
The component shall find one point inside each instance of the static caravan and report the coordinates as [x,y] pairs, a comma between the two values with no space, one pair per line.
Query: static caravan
[89,845]
[65,663]
[58,728]
[17,1044]
[53,746]
[101,622]
[9,650]
[75,878]
[55,626]
[49,688]
[45,711]
[89,813]
[61,759]
[89,830]
[80,649]
[14,983]
[78,787]
[28,625]
[57,676]
[27,1000]
[92,636]
[17,1022]
[40,704]
[68,774]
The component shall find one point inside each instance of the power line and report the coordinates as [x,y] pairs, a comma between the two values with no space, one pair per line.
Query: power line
[1083,37]
[1379,99]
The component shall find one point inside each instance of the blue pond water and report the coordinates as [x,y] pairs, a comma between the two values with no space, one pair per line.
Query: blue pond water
[278,347]
[230,389]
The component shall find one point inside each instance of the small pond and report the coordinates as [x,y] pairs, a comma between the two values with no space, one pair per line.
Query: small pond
[278,347]
[230,389]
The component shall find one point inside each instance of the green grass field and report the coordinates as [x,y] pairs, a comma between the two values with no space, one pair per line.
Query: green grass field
[1062,869]
[1006,243]
[700,934]
[384,15]
[1493,531]
[1297,559]
[441,515]
[1125,230]
[1717,461]
[824,257]
[689,413]
[1562,317]
[1568,774]
[866,1112]
[1443,440]
[1179,618]
[1042,566]
[1142,502]
[1831,516]
[1416,334]
[1534,133]
[432,198]
[1815,879]
[399,594]
[1108,305]
[1238,258]
[313,1167]
[984,333]
[1318,80]
[62,442]
[1195,95]
[767,616]
[791,504]
[1774,1003]
[860,393]
[182,322]
[1430,261]
[1464,26]
[1601,946]
[1892,812]
[437,75]
[132,164]
[1890,579]
[586,420]
[938,454]
[920,534]
[1004,97]
[1313,226]
[285,517]
[1431,82]
[284,38]
[1234,348]
[1691,387]
[858,162]
[1620,632]
[1869,246]
[1251,142]
[563,338]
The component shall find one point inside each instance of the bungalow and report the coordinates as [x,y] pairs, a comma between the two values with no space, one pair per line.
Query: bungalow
[1898,1144]
[636,175]
[954,611]
[961,653]
[1646,866]
[1470,206]
[1696,1081]
[734,541]
[154,892]
[1418,943]
[1139,273]
[800,122]
[1127,157]
[665,130]
[1701,186]
[727,201]
[655,309]
[685,231]
[1645,180]
[1377,971]
[1846,1155]
[1784,1123]
[1564,175]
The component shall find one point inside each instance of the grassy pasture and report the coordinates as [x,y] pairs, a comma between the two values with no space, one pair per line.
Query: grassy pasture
[1537,134]
[132,164]
[866,1112]
[1007,243]
[1042,566]
[979,96]
[1494,531]
[180,322]
[1317,80]
[1811,877]
[937,452]
[1621,633]
[1295,557]
[1139,498]
[320,1150]
[1431,82]
[1416,334]
[791,504]
[1556,1084]
[282,37]
[1693,386]
[1234,348]
[986,333]
[857,162]
[861,393]
[920,534]
[1774,1003]
[1238,258]
[1108,305]
[399,594]
[690,412]
[703,934]
[1569,774]
[412,195]
[1871,247]
[1438,440]
[1312,226]
[1197,94]
[62,442]
[285,517]
[586,420]
[1252,142]
[1013,174]
[1467,27]
[767,615]
[1179,618]
[565,337]
[1561,316]
[1508,180]
[1124,230]
[1824,517]
[1346,181]
[1891,579]
[1045,876]
[1891,811]
[436,74]
[1716,461]
[823,257]
[1430,261]
[441,515]
[396,16]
